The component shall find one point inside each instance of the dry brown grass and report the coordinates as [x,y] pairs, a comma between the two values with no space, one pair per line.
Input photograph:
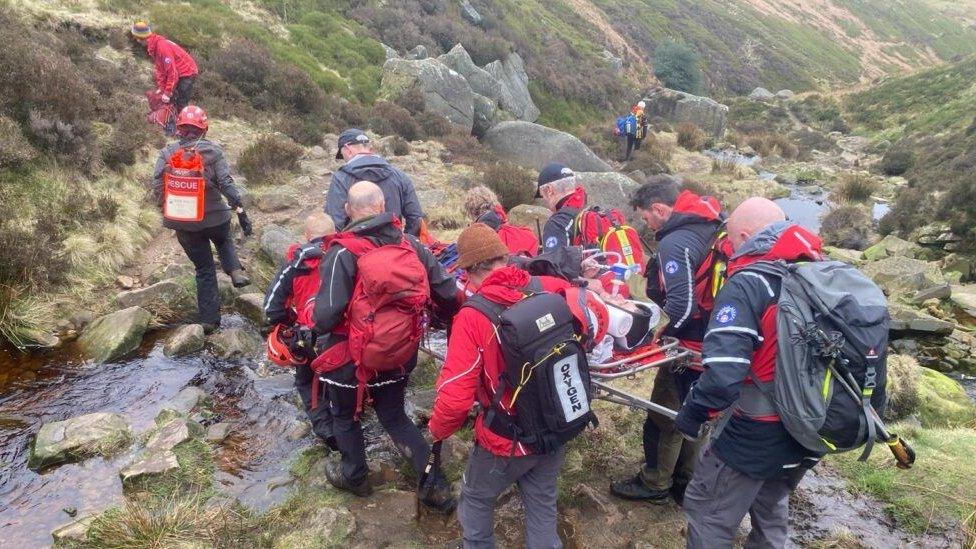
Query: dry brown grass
[690,136]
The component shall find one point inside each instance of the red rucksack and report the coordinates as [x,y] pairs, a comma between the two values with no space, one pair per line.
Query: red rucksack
[304,287]
[608,231]
[387,313]
[519,240]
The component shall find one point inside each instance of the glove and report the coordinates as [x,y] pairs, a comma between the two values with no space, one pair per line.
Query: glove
[164,98]
[690,419]
[245,222]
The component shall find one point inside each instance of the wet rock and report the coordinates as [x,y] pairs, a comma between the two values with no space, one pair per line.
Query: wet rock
[276,385]
[785,179]
[418,53]
[907,319]
[149,464]
[298,430]
[609,190]
[275,241]
[125,282]
[904,276]
[217,432]
[183,402]
[234,343]
[514,81]
[785,94]
[167,298]
[445,91]
[891,246]
[79,437]
[469,14]
[527,215]
[251,306]
[115,335]
[480,81]
[81,319]
[532,146]
[261,496]
[41,339]
[761,94]
[174,432]
[76,530]
[185,340]
[677,107]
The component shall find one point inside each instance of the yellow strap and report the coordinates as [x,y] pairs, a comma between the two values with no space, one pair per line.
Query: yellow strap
[826,384]
[527,375]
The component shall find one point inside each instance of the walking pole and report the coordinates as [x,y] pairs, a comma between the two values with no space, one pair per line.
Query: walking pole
[424,484]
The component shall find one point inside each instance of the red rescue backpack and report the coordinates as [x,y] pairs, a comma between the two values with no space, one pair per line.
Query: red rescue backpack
[608,231]
[387,313]
[184,186]
[710,276]
[305,286]
[519,240]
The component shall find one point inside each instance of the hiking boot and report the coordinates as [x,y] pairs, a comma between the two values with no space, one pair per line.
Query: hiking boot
[635,489]
[439,496]
[239,279]
[333,472]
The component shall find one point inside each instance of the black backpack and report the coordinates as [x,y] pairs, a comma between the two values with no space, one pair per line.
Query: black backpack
[546,368]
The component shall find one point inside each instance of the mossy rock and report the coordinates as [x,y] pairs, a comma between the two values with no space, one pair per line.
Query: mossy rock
[115,335]
[943,402]
[78,438]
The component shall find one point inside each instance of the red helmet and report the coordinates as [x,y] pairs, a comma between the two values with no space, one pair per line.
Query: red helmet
[280,341]
[590,312]
[192,115]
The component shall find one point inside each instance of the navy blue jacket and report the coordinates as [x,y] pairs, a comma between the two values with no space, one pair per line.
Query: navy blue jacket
[398,192]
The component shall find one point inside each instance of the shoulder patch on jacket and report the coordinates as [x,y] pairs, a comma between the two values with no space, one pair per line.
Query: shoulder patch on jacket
[726,314]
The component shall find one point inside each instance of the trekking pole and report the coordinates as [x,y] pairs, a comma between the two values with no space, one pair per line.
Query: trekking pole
[904,454]
[423,485]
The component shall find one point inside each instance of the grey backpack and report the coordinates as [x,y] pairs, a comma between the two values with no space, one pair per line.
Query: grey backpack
[832,338]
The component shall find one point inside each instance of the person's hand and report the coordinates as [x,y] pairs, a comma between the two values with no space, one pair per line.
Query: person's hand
[689,421]
[246,227]
[164,98]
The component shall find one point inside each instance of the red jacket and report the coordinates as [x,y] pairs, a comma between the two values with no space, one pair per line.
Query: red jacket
[171,61]
[519,240]
[475,363]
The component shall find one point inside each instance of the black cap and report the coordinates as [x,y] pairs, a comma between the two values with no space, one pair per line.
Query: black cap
[350,136]
[553,171]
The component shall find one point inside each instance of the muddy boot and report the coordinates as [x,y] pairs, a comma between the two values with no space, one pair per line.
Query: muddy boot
[635,489]
[439,495]
[333,472]
[239,279]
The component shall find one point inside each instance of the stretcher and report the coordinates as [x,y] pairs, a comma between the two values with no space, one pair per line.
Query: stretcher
[664,353]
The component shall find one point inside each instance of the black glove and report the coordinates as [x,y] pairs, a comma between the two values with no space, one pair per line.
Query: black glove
[690,419]
[245,222]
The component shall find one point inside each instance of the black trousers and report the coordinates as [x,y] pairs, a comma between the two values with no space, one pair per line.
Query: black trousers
[179,99]
[321,416]
[196,244]
[388,402]
[633,143]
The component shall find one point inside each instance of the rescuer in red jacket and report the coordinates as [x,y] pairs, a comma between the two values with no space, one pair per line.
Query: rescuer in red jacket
[175,68]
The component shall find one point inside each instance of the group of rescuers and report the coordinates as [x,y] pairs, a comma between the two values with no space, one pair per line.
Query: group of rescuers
[751,467]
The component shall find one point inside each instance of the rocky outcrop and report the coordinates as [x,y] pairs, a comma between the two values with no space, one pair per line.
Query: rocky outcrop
[615,62]
[526,215]
[532,146]
[907,319]
[79,437]
[115,335]
[891,246]
[902,276]
[485,115]
[677,107]
[480,81]
[608,190]
[761,94]
[515,97]
[275,241]
[184,340]
[417,53]
[469,14]
[964,298]
[234,343]
[445,91]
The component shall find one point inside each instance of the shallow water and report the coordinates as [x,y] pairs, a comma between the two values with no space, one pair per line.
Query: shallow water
[806,207]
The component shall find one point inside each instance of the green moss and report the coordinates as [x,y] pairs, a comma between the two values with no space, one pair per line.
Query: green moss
[943,402]
[938,487]
[305,459]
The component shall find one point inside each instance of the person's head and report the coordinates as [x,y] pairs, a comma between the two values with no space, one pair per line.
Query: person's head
[750,217]
[479,200]
[480,251]
[654,201]
[317,225]
[352,142]
[192,122]
[555,183]
[365,199]
[140,31]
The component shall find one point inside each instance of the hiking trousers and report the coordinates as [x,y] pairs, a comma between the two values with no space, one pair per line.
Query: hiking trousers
[668,456]
[196,244]
[321,416]
[633,143]
[488,475]
[388,400]
[718,497]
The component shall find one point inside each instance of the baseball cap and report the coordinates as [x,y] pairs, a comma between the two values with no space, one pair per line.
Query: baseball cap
[551,172]
[350,136]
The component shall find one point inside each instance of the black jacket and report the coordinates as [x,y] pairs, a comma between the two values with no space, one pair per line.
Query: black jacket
[559,230]
[220,184]
[398,192]
[280,288]
[338,272]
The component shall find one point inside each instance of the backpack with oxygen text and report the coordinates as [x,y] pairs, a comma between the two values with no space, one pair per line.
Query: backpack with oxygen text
[546,370]
[607,230]
[832,337]
[184,186]
[387,313]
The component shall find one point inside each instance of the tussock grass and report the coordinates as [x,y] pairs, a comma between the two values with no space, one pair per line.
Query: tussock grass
[166,522]
[729,167]
[855,187]
[21,316]
[690,136]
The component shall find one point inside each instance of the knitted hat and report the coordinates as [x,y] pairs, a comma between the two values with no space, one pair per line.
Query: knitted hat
[141,29]
[478,243]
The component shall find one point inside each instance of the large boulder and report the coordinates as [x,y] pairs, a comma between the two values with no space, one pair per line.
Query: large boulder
[527,215]
[907,319]
[677,107]
[964,298]
[185,340]
[79,437]
[515,97]
[251,306]
[532,146]
[485,114]
[891,246]
[235,343]
[469,14]
[275,241]
[167,299]
[608,190]
[480,81]
[761,94]
[445,91]
[115,335]
[903,276]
